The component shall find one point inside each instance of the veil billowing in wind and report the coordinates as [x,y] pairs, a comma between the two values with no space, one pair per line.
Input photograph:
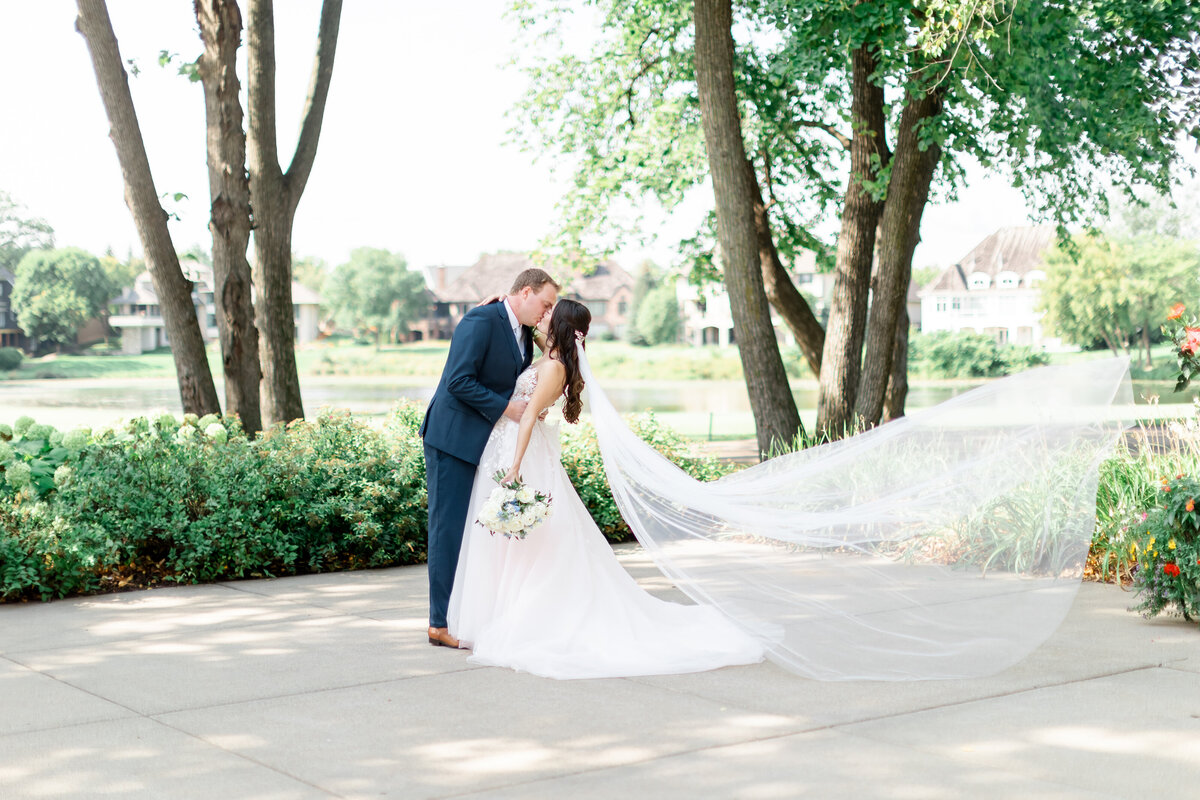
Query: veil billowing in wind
[946,544]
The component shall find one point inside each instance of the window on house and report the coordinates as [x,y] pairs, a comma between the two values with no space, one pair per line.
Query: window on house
[978,280]
[955,303]
[598,307]
[622,308]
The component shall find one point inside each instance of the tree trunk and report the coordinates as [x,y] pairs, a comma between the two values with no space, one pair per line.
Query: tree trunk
[775,415]
[229,217]
[197,393]
[275,196]
[908,191]
[897,393]
[781,292]
[842,357]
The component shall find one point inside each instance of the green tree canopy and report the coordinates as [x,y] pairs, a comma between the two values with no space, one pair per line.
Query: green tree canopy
[57,291]
[658,320]
[375,290]
[1118,290]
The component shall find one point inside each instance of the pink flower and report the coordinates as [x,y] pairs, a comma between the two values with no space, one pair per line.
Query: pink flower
[1193,341]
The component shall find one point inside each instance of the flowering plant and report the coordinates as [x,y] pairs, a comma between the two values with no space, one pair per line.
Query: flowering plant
[514,509]
[1186,336]
[1166,548]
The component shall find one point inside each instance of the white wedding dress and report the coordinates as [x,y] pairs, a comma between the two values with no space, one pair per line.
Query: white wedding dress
[558,603]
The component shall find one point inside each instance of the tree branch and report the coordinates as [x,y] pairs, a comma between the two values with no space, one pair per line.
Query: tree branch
[314,105]
[842,138]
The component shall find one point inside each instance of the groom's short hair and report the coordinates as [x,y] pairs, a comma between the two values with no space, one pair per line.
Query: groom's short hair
[535,279]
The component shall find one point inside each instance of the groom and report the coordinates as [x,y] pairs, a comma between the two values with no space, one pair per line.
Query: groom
[491,346]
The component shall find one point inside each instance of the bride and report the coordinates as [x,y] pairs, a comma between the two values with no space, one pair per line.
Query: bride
[558,603]
[945,544]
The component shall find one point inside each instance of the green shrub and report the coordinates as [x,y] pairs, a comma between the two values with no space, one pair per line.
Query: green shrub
[1166,547]
[193,500]
[10,358]
[943,354]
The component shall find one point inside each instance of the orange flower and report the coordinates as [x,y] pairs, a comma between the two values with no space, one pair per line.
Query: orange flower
[1176,311]
[1191,504]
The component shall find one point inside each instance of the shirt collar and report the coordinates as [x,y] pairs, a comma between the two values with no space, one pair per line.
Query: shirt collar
[512,318]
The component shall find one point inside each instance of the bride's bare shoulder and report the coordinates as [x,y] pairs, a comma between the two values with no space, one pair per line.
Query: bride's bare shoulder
[551,368]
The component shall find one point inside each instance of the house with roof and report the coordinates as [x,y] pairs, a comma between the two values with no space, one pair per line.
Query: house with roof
[708,319]
[137,316]
[993,289]
[606,289]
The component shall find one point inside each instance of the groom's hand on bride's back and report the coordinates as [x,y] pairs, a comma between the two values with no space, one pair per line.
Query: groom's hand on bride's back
[515,409]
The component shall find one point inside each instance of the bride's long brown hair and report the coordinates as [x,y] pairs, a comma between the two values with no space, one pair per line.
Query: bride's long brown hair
[569,319]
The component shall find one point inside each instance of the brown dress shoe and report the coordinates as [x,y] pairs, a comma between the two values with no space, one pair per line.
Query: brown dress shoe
[440,637]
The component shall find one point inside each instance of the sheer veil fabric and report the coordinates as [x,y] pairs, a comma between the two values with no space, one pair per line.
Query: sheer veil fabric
[946,544]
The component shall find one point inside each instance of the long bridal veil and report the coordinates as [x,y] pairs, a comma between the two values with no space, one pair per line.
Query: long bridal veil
[949,543]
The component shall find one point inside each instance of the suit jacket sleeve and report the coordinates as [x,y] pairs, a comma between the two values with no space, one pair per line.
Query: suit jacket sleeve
[464,366]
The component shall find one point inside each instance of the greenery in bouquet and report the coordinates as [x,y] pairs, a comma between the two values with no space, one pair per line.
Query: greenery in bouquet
[1166,547]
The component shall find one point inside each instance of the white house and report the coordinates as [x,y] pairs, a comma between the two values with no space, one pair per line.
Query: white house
[708,320]
[138,318]
[993,289]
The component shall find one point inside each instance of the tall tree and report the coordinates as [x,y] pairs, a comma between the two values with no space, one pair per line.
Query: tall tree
[375,290]
[220,23]
[1003,82]
[197,393]
[275,195]
[1117,290]
[777,421]
[57,291]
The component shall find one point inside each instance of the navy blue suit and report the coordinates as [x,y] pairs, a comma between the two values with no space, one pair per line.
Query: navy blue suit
[476,385]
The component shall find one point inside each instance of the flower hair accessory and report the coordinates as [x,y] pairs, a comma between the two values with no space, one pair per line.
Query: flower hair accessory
[579,337]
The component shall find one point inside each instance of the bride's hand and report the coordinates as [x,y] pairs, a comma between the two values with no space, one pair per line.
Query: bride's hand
[513,475]
[494,298]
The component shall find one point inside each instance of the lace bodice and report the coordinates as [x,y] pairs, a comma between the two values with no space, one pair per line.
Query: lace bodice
[526,383]
[498,453]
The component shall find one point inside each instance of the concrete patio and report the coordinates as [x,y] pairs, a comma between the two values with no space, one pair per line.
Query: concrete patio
[324,686]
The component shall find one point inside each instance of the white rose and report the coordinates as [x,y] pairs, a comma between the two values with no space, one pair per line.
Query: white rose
[526,494]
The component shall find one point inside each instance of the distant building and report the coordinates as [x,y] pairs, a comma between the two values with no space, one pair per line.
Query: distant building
[993,289]
[607,291]
[138,318]
[11,334]
[708,319]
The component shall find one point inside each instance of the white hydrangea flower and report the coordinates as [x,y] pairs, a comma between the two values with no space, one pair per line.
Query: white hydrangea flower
[216,431]
[62,475]
[76,440]
[18,474]
[22,424]
[185,433]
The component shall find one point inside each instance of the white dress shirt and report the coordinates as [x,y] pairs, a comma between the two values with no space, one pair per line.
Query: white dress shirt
[516,328]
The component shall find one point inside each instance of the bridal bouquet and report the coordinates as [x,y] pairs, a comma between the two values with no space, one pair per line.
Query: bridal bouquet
[514,509]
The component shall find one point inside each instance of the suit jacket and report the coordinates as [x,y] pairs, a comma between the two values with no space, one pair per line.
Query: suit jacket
[477,382]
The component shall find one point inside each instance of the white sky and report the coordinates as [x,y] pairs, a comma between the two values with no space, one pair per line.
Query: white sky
[412,155]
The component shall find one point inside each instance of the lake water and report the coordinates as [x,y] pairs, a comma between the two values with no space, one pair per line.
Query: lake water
[696,408]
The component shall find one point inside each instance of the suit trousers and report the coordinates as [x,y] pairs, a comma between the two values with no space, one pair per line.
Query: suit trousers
[448,481]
